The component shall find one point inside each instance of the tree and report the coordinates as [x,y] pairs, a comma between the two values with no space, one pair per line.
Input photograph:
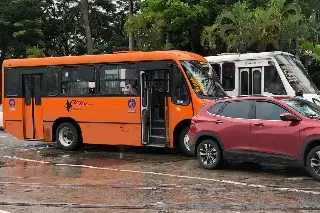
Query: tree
[243,28]
[234,27]
[131,39]
[171,24]
[85,13]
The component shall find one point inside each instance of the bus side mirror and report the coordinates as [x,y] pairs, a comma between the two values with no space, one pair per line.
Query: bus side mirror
[289,117]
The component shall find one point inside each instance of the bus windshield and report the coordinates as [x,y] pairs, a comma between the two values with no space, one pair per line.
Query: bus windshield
[296,75]
[202,83]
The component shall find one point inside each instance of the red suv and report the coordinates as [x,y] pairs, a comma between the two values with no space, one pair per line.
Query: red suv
[257,129]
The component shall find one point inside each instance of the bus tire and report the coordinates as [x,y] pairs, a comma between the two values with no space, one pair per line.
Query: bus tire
[67,136]
[184,147]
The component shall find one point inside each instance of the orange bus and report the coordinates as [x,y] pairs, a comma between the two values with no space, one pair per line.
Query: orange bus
[126,98]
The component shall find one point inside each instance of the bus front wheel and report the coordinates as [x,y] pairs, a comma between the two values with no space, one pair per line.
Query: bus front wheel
[67,136]
[183,142]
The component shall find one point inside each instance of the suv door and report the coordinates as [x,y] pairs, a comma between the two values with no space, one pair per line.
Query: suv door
[232,125]
[272,136]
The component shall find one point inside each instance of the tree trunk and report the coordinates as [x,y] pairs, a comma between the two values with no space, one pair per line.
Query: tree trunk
[131,39]
[85,13]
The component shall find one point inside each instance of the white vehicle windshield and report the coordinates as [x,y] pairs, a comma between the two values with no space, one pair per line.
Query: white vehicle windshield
[202,83]
[296,75]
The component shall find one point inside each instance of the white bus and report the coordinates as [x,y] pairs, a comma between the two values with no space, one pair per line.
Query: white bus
[266,73]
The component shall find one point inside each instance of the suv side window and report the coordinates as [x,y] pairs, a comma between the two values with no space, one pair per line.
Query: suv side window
[215,108]
[268,111]
[237,109]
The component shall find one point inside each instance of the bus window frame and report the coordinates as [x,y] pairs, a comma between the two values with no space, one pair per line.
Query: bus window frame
[23,70]
[19,88]
[220,70]
[234,70]
[58,69]
[118,64]
[60,80]
[287,87]
[186,81]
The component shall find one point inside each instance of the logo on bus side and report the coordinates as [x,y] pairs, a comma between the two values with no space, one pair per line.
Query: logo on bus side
[12,103]
[76,105]
[131,104]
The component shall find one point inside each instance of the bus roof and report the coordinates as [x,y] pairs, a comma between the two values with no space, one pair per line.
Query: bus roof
[122,56]
[242,57]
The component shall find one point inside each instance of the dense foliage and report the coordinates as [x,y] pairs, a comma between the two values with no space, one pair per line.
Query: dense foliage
[37,28]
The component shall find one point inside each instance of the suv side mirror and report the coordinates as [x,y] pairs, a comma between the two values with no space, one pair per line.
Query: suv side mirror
[289,117]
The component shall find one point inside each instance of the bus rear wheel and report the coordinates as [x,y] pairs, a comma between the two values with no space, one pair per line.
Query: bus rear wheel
[67,136]
[183,142]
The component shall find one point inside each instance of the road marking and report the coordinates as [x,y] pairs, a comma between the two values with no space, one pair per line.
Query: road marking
[1,211]
[172,175]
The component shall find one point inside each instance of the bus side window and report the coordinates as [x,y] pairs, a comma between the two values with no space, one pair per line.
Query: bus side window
[272,81]
[228,76]
[217,70]
[180,91]
[52,81]
[121,79]
[12,82]
[78,80]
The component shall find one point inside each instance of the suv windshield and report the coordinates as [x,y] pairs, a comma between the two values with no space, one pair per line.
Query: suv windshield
[296,75]
[202,83]
[305,107]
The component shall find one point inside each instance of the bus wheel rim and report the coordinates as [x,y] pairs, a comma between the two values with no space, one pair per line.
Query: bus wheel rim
[186,142]
[66,136]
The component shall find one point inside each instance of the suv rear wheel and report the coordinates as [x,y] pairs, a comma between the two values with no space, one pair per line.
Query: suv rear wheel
[313,163]
[209,154]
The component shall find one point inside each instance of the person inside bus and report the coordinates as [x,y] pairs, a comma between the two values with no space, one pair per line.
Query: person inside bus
[131,88]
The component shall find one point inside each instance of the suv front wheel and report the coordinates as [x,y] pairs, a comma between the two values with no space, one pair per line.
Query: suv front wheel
[313,163]
[209,154]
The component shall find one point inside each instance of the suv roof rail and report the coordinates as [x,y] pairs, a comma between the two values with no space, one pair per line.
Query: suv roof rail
[239,96]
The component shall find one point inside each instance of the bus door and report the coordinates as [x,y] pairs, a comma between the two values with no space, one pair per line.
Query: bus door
[250,81]
[154,103]
[33,122]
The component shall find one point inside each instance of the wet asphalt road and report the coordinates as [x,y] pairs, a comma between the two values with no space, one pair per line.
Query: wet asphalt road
[39,177]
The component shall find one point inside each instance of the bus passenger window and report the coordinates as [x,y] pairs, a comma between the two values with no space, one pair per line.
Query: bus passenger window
[76,80]
[180,91]
[52,79]
[217,70]
[121,79]
[228,76]
[272,81]
[12,79]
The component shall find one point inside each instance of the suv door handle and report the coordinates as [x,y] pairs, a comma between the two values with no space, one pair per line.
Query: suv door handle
[258,124]
[218,121]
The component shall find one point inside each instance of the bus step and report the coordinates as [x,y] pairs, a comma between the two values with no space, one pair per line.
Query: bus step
[158,131]
[157,140]
[156,145]
[158,123]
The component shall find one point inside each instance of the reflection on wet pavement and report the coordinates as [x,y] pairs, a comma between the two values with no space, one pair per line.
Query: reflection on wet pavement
[38,176]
